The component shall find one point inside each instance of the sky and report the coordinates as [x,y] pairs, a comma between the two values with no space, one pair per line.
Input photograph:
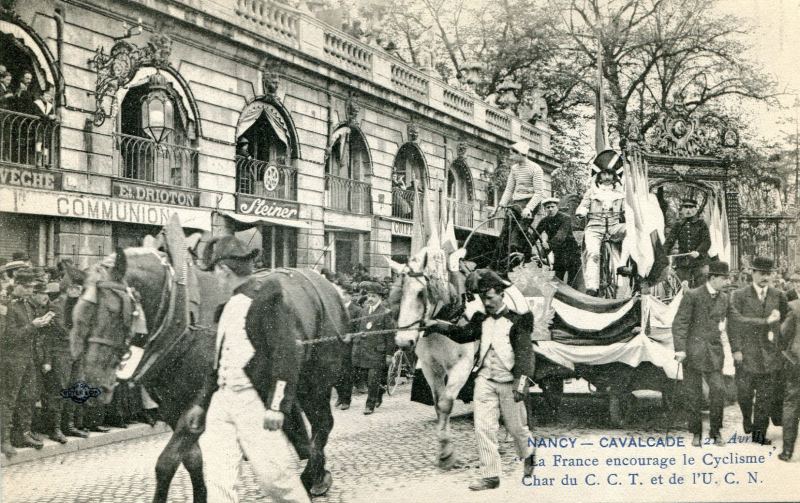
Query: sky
[775,44]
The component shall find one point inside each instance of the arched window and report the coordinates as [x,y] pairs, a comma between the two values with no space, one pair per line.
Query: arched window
[28,127]
[265,148]
[156,135]
[460,193]
[409,180]
[348,165]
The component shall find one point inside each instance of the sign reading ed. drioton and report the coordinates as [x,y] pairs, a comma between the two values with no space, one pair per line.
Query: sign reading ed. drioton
[263,207]
[151,194]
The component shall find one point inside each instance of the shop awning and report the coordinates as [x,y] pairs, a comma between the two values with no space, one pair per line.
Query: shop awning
[242,222]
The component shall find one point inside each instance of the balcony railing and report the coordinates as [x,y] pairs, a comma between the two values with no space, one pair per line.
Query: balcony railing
[461,211]
[265,179]
[28,140]
[403,203]
[140,158]
[344,194]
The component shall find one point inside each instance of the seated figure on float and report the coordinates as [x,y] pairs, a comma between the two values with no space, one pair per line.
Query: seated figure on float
[603,208]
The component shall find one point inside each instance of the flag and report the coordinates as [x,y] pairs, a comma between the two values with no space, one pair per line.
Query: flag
[449,241]
[417,225]
[644,222]
[599,105]
[717,220]
[430,221]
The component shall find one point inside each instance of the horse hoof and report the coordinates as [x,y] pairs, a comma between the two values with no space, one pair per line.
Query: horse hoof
[449,462]
[322,487]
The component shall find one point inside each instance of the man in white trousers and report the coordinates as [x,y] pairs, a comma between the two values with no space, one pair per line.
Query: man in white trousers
[505,361]
[238,422]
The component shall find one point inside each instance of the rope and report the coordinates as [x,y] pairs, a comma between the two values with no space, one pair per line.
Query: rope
[356,335]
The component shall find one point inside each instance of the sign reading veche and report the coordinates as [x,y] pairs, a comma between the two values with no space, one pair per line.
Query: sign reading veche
[30,178]
[150,194]
[263,207]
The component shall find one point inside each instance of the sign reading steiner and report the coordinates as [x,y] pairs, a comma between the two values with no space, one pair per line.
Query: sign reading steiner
[262,207]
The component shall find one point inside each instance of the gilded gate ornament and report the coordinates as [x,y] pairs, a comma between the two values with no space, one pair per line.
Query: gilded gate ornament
[117,68]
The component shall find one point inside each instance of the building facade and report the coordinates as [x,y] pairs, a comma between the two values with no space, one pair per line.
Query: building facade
[244,116]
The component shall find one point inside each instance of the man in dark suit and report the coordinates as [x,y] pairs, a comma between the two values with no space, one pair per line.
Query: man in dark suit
[754,318]
[693,238]
[698,344]
[253,385]
[344,386]
[790,342]
[794,286]
[505,361]
[555,232]
[373,352]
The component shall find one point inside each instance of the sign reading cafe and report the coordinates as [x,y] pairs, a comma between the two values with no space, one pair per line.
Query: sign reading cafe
[262,207]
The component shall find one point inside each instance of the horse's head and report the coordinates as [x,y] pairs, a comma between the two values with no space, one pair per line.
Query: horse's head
[102,320]
[418,296]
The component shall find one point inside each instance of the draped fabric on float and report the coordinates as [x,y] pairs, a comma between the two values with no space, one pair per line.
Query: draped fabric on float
[581,320]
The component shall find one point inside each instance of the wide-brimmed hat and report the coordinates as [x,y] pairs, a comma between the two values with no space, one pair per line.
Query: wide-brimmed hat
[718,268]
[14,265]
[483,280]
[607,160]
[550,200]
[763,264]
[371,287]
[227,248]
[521,147]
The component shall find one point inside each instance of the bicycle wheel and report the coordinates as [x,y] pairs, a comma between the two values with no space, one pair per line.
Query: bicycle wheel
[393,374]
[608,277]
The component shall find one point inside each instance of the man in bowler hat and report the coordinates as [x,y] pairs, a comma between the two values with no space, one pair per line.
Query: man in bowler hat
[698,345]
[754,322]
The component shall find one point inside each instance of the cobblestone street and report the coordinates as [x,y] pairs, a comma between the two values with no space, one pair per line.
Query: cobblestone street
[388,456]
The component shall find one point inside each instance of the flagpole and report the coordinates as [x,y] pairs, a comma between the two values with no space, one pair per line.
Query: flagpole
[599,120]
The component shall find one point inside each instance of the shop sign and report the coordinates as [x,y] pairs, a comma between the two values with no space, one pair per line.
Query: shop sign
[263,207]
[151,194]
[30,178]
[64,204]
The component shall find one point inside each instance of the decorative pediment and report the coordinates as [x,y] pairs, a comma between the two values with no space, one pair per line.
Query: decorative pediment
[681,132]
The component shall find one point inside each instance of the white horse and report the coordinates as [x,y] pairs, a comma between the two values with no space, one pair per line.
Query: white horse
[446,364]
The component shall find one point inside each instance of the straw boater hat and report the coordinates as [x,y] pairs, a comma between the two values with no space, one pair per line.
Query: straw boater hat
[371,287]
[550,200]
[521,147]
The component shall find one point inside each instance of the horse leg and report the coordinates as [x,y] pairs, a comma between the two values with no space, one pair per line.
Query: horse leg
[443,405]
[168,462]
[456,377]
[193,462]
[317,407]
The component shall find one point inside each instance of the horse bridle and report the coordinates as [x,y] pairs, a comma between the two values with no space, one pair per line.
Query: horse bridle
[129,311]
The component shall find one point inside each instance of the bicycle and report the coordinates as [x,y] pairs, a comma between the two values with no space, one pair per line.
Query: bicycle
[516,258]
[400,366]
[608,275]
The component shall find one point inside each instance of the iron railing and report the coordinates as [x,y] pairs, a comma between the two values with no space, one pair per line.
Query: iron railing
[347,195]
[461,211]
[265,179]
[28,140]
[141,158]
[403,203]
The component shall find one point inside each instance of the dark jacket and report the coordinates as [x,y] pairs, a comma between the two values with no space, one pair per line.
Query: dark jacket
[519,336]
[370,351]
[692,235]
[695,329]
[559,236]
[748,330]
[790,328]
[20,340]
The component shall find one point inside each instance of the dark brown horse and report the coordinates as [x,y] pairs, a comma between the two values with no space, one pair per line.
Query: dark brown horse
[178,359]
[102,332]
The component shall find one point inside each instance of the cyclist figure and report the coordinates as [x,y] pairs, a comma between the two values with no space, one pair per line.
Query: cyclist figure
[523,192]
[555,232]
[603,207]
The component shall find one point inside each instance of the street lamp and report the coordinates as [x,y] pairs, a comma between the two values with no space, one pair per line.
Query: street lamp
[157,109]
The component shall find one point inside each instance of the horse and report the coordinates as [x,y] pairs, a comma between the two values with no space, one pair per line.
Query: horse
[445,363]
[105,317]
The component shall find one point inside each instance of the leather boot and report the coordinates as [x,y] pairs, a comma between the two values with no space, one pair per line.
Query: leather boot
[71,431]
[28,440]
[57,436]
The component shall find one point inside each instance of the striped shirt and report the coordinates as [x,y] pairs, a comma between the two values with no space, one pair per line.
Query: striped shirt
[525,182]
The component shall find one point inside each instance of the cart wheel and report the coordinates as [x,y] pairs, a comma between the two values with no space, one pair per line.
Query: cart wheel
[393,374]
